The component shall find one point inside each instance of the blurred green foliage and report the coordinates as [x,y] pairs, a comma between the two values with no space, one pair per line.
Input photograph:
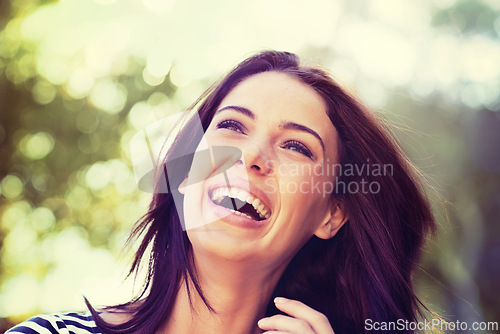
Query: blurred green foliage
[74,88]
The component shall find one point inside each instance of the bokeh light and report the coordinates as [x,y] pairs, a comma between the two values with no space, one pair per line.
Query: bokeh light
[36,146]
[12,186]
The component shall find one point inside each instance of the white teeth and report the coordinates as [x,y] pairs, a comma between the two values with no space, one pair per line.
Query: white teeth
[250,199]
[219,193]
[240,213]
[243,196]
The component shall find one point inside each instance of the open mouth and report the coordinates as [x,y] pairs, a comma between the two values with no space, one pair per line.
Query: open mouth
[240,202]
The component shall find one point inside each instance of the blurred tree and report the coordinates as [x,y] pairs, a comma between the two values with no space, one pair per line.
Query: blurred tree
[61,161]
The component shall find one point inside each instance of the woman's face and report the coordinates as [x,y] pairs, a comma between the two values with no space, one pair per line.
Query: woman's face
[285,136]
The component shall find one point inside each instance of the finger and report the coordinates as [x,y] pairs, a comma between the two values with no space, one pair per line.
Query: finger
[316,320]
[286,324]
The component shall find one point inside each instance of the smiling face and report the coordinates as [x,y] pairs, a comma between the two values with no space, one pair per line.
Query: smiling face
[284,133]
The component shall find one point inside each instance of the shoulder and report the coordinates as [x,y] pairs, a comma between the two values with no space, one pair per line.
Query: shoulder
[63,323]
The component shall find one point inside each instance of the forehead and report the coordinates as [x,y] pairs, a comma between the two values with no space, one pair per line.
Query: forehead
[276,89]
[275,96]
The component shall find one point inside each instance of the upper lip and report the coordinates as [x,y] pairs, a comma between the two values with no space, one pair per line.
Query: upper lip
[255,191]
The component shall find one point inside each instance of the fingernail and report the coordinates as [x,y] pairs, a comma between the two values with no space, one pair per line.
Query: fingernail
[280,300]
[261,322]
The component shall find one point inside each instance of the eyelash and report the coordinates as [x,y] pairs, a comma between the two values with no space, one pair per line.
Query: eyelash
[236,126]
[299,147]
[231,125]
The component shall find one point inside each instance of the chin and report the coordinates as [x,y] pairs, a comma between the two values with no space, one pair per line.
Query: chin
[223,243]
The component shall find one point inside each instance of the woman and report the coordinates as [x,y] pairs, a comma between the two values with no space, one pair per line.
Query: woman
[315,227]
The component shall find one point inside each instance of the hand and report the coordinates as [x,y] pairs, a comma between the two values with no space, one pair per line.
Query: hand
[302,319]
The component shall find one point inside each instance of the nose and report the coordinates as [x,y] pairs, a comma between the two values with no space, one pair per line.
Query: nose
[256,159]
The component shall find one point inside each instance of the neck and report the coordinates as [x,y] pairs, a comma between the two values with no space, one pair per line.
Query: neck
[238,292]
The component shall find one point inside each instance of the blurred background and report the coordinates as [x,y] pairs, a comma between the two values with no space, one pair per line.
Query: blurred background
[79,78]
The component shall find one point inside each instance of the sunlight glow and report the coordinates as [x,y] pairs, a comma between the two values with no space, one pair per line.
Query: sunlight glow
[385,55]
[109,96]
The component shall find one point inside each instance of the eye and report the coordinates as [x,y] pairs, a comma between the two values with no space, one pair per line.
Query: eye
[232,125]
[297,146]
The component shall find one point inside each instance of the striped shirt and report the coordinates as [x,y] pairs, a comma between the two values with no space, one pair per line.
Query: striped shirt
[67,323]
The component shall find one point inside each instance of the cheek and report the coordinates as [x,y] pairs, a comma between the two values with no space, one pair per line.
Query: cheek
[191,202]
[189,214]
[305,197]
[214,138]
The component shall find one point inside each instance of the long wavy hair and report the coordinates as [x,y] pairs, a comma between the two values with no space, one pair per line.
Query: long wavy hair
[364,272]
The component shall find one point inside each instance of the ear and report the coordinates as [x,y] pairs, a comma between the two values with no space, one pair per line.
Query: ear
[334,220]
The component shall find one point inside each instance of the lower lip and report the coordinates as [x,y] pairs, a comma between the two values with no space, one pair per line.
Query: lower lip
[230,217]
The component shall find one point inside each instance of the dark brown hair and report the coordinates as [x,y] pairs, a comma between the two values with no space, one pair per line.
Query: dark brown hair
[364,272]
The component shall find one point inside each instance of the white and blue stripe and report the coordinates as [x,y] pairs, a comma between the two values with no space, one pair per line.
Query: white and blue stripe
[67,323]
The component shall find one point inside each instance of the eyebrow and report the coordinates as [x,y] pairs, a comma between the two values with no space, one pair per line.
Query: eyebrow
[242,110]
[283,125]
